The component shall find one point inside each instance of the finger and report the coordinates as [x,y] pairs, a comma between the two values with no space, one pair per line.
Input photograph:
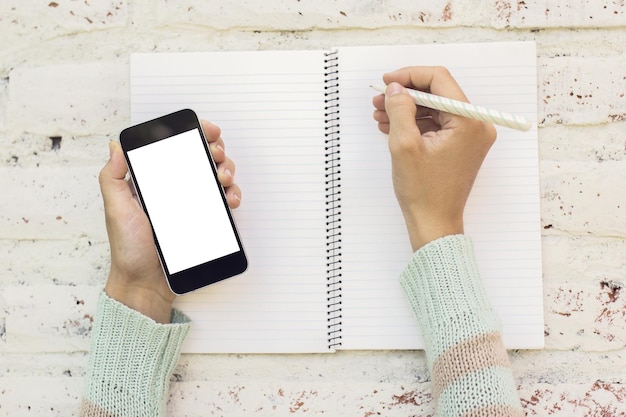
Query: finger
[436,80]
[422,113]
[112,176]
[217,152]
[381,116]
[402,111]
[379,102]
[219,142]
[212,132]
[226,173]
[233,196]
[116,166]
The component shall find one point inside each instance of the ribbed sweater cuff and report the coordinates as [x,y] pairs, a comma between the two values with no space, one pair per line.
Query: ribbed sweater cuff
[446,293]
[131,360]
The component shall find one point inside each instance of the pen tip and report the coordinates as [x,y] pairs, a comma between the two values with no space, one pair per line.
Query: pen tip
[378,88]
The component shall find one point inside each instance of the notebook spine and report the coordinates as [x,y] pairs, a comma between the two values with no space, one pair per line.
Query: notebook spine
[333,200]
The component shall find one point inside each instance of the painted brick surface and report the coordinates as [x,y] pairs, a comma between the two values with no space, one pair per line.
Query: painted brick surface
[49,318]
[64,95]
[315,14]
[54,203]
[47,19]
[56,396]
[595,399]
[589,144]
[555,13]
[588,317]
[572,93]
[573,193]
[79,99]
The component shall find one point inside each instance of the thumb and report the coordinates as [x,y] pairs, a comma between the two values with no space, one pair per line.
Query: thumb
[113,174]
[117,163]
[401,110]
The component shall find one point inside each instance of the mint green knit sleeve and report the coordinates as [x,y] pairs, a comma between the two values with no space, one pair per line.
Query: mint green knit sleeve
[470,368]
[131,360]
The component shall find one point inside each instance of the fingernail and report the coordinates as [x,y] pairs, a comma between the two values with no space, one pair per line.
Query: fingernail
[215,147]
[393,89]
[110,149]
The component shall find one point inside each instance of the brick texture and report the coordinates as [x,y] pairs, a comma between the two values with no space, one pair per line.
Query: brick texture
[64,94]
[555,13]
[315,14]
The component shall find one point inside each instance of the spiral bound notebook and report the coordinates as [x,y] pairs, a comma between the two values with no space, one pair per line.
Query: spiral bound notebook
[319,221]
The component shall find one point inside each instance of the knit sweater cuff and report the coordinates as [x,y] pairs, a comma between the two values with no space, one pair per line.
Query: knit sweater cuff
[131,360]
[446,293]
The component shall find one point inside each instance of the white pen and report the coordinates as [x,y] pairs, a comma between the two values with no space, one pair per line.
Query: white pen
[461,108]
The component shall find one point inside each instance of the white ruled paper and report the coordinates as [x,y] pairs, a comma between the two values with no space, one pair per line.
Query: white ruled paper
[502,214]
[270,106]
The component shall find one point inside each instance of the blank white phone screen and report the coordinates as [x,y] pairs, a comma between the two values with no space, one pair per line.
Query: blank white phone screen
[183,200]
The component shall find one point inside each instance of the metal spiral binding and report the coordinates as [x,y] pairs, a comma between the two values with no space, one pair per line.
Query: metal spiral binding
[333,200]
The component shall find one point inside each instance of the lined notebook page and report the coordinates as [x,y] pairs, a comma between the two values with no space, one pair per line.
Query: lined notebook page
[502,214]
[269,106]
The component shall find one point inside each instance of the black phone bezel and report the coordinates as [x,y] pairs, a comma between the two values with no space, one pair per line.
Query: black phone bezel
[206,273]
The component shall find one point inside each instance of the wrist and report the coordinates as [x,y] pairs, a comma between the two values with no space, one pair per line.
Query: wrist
[429,229]
[145,300]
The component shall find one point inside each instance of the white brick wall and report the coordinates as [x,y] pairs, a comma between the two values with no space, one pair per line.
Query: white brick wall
[558,14]
[68,98]
[64,72]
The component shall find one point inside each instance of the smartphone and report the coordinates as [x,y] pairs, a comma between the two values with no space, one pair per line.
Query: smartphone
[176,182]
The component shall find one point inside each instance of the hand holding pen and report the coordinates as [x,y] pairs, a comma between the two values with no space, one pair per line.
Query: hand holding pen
[435,155]
[461,108]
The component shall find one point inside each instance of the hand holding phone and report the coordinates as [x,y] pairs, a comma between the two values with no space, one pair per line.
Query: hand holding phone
[135,268]
[177,185]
